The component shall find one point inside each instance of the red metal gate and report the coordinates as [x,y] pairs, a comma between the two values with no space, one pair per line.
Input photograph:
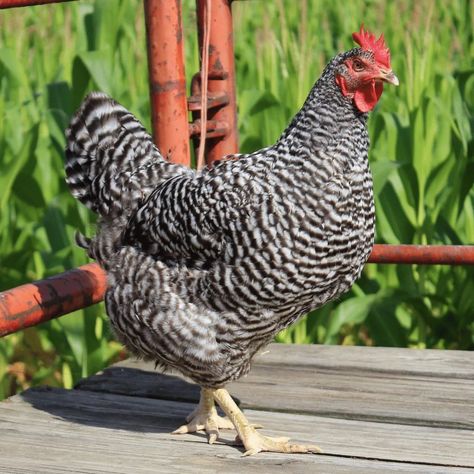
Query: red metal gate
[36,302]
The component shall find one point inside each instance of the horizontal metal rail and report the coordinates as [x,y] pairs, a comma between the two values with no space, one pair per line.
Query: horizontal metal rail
[40,301]
[423,254]
[27,3]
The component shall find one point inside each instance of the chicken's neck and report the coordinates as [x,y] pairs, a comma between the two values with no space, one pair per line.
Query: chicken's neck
[325,117]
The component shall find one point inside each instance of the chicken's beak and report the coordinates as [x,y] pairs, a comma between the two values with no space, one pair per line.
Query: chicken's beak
[387,75]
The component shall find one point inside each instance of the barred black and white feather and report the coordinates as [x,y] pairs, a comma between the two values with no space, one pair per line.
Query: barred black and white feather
[111,166]
[111,161]
[210,265]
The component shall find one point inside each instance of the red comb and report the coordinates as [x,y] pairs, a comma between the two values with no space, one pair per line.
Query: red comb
[367,41]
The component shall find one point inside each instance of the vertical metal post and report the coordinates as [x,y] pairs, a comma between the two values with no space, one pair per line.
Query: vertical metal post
[221,77]
[167,79]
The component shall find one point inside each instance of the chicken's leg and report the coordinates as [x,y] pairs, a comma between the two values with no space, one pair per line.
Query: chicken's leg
[205,418]
[253,441]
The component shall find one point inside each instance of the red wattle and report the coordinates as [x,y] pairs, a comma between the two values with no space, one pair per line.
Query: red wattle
[366,96]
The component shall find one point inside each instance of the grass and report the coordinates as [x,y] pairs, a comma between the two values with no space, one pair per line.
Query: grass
[421,156]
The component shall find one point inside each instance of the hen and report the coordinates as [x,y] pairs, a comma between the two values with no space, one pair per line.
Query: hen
[205,267]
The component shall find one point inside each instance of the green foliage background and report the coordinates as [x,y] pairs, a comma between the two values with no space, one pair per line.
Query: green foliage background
[421,157]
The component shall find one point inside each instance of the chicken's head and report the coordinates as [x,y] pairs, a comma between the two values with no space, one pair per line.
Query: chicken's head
[362,73]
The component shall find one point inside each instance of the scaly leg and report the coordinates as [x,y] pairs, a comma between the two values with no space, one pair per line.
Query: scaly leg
[253,441]
[205,417]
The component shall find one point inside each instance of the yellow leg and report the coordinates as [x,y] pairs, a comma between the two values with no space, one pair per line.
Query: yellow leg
[253,441]
[205,418]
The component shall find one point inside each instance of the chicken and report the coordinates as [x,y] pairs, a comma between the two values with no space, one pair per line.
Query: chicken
[206,267]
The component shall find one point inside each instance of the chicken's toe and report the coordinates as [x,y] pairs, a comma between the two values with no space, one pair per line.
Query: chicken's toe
[255,443]
[205,418]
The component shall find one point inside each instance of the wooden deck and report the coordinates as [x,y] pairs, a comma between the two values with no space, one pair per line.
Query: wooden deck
[372,410]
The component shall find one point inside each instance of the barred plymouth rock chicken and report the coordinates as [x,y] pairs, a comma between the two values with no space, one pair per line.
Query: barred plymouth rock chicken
[206,267]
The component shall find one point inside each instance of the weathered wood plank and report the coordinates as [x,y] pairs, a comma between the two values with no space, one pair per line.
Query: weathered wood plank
[448,364]
[389,385]
[79,431]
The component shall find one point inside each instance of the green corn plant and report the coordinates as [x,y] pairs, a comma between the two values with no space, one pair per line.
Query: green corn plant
[422,162]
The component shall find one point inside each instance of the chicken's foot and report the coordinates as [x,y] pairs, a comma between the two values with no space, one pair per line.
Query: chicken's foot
[253,441]
[205,418]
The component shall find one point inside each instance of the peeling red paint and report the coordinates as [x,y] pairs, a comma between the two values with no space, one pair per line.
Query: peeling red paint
[221,80]
[167,79]
[218,99]
[215,128]
[37,302]
[27,3]
[423,254]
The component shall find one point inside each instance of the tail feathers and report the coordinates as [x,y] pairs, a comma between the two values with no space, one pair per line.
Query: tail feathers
[111,161]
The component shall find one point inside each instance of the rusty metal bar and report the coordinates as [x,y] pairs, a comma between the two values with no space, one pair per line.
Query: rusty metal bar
[40,301]
[423,254]
[27,3]
[214,128]
[37,302]
[167,79]
[218,99]
[221,78]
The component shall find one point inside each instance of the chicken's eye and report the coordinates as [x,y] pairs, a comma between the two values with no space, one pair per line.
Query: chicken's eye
[358,65]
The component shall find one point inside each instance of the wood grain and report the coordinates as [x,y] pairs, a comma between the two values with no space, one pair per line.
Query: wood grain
[371,410]
[54,430]
[411,387]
